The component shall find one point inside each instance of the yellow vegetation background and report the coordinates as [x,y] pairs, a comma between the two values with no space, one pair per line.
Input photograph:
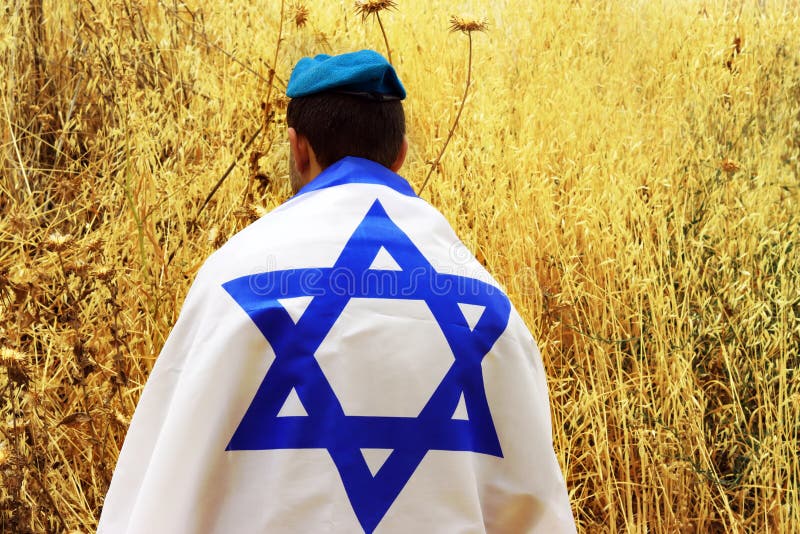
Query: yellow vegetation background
[628,169]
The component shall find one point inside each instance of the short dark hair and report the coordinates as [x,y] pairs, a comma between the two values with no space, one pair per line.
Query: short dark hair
[338,125]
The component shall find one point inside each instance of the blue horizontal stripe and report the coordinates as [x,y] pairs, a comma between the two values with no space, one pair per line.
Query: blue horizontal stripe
[352,170]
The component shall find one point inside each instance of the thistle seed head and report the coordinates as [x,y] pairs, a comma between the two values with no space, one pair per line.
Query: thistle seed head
[58,241]
[94,243]
[121,419]
[729,166]
[365,8]
[467,24]
[300,14]
[12,358]
[17,365]
[103,272]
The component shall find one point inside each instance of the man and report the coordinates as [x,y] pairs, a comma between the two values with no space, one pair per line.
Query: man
[343,364]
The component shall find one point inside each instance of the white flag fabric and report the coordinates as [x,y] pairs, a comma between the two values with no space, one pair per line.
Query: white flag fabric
[343,365]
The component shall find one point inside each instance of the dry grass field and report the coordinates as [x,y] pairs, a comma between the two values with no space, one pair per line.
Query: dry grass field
[629,170]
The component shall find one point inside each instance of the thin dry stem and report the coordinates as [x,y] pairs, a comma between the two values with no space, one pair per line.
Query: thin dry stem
[367,8]
[385,38]
[435,163]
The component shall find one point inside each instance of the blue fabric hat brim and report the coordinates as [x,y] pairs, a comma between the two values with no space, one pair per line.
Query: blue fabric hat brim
[364,73]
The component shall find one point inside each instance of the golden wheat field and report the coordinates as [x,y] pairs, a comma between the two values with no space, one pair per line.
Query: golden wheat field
[629,170]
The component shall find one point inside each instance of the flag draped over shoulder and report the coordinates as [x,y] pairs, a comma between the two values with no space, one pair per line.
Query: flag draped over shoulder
[343,365]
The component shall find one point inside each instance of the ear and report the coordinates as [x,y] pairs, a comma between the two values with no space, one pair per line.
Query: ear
[401,156]
[300,150]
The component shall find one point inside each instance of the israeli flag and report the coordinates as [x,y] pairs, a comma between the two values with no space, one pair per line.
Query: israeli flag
[343,365]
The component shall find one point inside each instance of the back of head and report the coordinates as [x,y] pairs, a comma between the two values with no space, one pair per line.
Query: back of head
[348,105]
[340,124]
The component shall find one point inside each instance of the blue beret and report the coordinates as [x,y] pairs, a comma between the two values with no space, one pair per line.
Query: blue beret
[364,73]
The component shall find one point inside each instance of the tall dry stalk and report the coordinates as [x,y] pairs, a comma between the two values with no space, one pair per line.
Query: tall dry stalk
[465,25]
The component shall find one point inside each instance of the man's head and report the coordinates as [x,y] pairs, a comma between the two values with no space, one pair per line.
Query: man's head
[347,105]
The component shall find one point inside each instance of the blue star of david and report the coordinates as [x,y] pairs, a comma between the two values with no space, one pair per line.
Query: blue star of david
[295,367]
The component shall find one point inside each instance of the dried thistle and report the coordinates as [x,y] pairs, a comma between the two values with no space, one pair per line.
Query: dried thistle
[19,222]
[365,8]
[94,243]
[103,272]
[79,268]
[300,14]
[13,358]
[729,166]
[17,365]
[15,425]
[58,241]
[467,24]
[121,419]
[20,275]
